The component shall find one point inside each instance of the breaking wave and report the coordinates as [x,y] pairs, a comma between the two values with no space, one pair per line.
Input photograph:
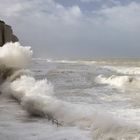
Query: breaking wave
[14,55]
[125,82]
[36,96]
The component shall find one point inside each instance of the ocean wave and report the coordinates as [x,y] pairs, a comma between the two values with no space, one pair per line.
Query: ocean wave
[122,82]
[36,96]
[84,62]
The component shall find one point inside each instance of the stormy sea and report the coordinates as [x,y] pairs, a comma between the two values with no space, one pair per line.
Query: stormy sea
[44,99]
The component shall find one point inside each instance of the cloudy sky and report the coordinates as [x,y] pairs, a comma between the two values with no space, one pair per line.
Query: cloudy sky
[76,28]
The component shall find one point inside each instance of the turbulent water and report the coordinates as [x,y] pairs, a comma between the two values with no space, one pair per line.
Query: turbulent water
[93,100]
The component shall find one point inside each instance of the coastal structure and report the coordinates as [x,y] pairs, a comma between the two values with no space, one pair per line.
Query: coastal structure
[6,34]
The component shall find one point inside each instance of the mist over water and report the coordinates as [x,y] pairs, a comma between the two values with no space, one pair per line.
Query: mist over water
[101,97]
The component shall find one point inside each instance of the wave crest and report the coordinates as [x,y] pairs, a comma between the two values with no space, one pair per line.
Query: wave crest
[121,82]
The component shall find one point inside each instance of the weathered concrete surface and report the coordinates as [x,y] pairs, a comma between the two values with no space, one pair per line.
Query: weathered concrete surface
[6,34]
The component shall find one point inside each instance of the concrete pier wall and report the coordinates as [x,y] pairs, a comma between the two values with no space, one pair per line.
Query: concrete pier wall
[6,34]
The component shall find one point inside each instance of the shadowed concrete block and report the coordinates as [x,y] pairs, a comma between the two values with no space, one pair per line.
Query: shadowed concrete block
[1,33]
[6,34]
[14,38]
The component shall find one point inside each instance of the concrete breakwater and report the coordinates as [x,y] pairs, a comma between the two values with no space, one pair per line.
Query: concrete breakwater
[6,34]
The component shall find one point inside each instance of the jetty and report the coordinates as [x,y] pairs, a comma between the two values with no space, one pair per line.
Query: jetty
[6,34]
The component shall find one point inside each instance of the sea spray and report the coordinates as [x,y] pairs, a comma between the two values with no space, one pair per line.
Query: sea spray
[37,98]
[14,55]
[13,58]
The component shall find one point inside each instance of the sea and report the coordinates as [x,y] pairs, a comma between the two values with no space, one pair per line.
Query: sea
[50,99]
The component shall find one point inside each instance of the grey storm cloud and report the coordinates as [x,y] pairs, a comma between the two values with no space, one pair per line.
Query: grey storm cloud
[57,30]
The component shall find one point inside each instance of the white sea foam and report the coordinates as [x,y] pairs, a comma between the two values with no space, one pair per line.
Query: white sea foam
[107,128]
[124,82]
[83,62]
[36,96]
[118,81]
